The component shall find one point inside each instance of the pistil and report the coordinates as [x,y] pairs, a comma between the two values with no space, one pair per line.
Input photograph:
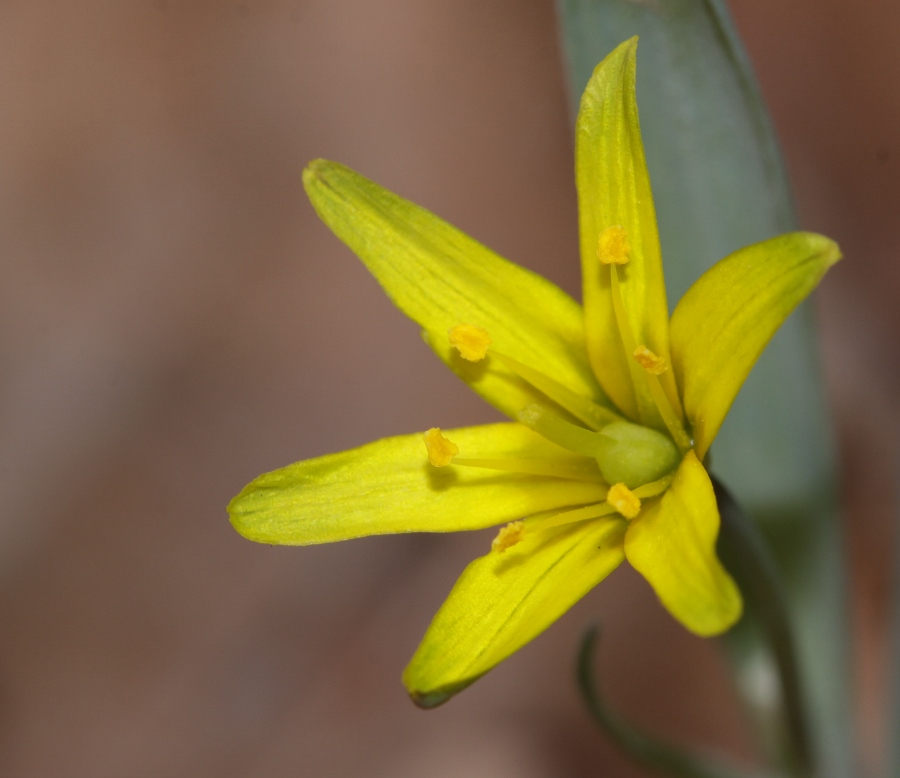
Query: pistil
[558,430]
[572,469]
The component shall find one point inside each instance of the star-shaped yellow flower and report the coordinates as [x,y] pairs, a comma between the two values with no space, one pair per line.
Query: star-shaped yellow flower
[615,405]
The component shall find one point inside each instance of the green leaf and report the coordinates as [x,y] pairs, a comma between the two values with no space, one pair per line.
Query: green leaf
[504,600]
[719,185]
[440,277]
[388,487]
[893,706]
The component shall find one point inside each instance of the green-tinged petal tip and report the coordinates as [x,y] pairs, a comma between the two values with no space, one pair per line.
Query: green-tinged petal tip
[830,250]
[436,697]
[315,167]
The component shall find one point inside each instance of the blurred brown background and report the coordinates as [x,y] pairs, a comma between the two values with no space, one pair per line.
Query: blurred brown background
[174,321]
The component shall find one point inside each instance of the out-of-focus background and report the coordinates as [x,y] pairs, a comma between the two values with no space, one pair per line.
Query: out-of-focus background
[174,321]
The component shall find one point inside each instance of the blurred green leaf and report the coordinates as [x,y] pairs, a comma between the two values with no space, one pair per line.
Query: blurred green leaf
[719,184]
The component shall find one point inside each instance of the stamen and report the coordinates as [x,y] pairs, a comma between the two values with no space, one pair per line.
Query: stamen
[672,422]
[649,361]
[654,488]
[670,418]
[595,511]
[571,468]
[619,310]
[472,342]
[624,500]
[508,536]
[600,509]
[613,247]
[440,450]
[592,414]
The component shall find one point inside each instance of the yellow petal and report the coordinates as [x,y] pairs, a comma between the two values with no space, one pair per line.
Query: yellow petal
[672,543]
[727,317]
[389,486]
[441,278]
[615,207]
[505,599]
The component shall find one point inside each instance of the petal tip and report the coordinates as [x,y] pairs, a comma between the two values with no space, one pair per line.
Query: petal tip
[821,247]
[316,165]
[433,698]
[628,49]
[316,170]
[239,516]
[429,700]
[723,621]
[714,628]
[832,252]
[625,51]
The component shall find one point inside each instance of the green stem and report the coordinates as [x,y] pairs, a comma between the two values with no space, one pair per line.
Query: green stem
[653,754]
[746,555]
[893,711]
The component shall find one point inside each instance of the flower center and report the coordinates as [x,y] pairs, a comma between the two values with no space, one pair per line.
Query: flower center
[635,459]
[626,453]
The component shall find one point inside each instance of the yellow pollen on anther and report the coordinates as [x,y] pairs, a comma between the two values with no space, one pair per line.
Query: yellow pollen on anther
[623,500]
[613,247]
[649,361]
[472,342]
[440,450]
[508,536]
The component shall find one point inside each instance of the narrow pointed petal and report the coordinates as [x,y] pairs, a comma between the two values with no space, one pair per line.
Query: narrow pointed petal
[727,317]
[614,191]
[504,600]
[388,486]
[672,543]
[440,278]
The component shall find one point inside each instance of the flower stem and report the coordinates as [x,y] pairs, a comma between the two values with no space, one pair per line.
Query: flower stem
[893,712]
[746,555]
[656,755]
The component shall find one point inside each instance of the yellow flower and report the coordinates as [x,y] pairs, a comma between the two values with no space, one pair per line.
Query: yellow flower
[615,405]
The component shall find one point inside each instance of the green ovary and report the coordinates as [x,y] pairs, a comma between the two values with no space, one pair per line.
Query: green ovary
[634,455]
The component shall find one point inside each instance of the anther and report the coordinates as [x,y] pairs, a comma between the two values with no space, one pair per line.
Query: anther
[649,361]
[440,450]
[624,500]
[508,536]
[472,342]
[613,247]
